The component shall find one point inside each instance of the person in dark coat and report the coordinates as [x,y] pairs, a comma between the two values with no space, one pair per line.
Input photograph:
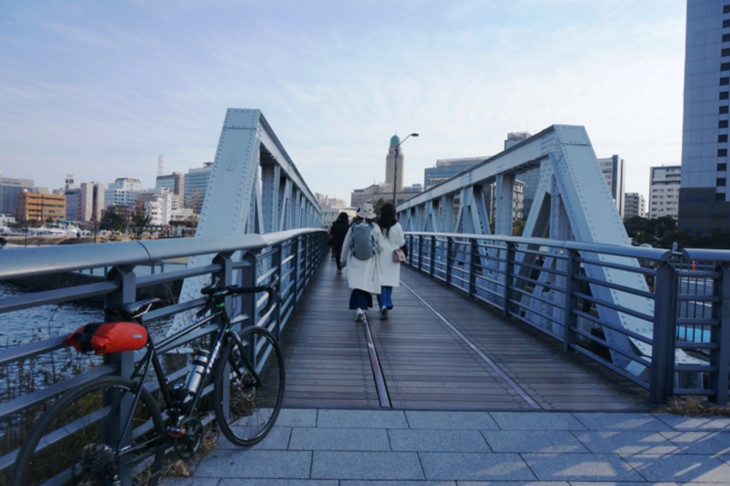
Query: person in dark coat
[337,236]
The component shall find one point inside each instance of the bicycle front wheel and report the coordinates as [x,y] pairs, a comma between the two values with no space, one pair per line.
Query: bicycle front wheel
[76,440]
[249,386]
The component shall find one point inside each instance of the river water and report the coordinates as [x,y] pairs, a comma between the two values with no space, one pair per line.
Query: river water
[43,322]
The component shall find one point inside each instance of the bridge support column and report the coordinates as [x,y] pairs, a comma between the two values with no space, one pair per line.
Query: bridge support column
[665,332]
[720,334]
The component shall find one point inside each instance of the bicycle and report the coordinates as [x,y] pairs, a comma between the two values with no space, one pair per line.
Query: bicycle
[114,430]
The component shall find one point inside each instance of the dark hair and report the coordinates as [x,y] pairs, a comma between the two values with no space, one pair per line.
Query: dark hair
[342,217]
[387,217]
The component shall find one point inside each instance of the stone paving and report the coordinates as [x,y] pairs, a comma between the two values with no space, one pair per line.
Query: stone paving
[372,447]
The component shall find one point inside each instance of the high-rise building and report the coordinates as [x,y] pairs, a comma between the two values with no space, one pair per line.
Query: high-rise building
[704,201]
[175,183]
[664,191]
[196,183]
[445,169]
[85,201]
[391,165]
[613,171]
[634,205]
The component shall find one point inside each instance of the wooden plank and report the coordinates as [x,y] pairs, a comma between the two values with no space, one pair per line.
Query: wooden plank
[428,366]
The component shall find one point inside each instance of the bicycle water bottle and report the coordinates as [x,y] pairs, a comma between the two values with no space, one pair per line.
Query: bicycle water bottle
[196,374]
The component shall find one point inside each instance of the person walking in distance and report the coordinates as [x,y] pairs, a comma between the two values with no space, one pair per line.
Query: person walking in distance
[337,235]
[392,239]
[359,258]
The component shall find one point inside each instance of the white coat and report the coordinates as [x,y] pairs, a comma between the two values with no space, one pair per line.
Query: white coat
[361,274]
[390,270]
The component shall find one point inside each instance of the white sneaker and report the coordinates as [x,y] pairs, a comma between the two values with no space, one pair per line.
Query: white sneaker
[359,315]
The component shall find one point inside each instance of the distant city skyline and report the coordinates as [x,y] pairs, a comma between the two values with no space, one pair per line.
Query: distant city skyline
[100,89]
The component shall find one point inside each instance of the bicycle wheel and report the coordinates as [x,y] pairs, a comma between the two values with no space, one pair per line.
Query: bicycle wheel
[249,386]
[71,442]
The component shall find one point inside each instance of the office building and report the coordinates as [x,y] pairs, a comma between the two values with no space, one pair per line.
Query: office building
[196,183]
[634,205]
[613,171]
[85,201]
[445,169]
[124,191]
[664,184]
[9,190]
[175,184]
[34,206]
[704,201]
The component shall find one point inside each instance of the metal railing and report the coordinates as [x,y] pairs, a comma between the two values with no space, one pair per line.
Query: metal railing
[250,260]
[669,332]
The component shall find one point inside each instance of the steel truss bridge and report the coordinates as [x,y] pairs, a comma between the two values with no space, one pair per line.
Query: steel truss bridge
[659,318]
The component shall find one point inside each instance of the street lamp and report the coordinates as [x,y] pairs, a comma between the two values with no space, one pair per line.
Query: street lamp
[395,165]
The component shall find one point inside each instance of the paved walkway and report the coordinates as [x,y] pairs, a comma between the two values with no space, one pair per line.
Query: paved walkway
[373,447]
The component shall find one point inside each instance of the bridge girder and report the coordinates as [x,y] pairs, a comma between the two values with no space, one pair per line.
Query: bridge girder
[572,202]
[254,187]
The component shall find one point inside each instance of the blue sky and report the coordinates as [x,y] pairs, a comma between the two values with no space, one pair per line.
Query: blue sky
[99,89]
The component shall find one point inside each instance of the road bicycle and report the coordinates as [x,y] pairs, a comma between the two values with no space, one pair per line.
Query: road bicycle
[115,430]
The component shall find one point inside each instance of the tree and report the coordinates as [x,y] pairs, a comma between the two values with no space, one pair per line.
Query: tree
[140,220]
[114,221]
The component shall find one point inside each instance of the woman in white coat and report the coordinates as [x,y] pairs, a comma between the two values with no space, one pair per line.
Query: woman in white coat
[363,276]
[392,238]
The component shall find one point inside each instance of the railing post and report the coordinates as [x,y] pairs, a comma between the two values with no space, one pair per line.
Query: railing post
[432,256]
[720,335]
[509,269]
[126,294]
[276,259]
[420,252]
[664,336]
[473,255]
[449,249]
[248,279]
[124,275]
[296,262]
[571,301]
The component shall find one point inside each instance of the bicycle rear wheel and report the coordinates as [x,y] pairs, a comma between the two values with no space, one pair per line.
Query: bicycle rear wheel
[72,442]
[249,386]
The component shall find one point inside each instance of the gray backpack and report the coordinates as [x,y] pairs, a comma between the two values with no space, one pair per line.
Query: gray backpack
[363,242]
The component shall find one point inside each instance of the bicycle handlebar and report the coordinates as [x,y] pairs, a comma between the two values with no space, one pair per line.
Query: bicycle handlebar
[213,292]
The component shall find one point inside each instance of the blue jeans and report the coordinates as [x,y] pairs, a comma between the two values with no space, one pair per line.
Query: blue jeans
[385,299]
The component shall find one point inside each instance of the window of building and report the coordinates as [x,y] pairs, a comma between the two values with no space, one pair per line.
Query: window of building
[723,109]
[721,181]
[724,81]
[722,124]
[722,152]
[725,66]
[725,52]
[722,166]
[723,95]
[725,24]
[726,9]
[722,138]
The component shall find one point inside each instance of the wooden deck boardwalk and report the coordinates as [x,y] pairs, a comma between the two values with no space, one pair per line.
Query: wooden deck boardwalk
[438,350]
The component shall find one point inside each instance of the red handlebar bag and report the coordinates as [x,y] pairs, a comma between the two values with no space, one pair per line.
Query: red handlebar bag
[110,337]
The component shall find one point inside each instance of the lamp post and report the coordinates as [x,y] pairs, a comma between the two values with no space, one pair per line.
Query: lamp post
[395,165]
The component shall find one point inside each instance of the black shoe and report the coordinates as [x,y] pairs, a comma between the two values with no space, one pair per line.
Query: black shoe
[384,314]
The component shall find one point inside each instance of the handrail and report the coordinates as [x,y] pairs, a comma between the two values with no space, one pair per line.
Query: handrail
[661,345]
[293,256]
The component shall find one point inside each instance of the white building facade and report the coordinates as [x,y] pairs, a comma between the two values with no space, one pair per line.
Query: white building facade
[664,185]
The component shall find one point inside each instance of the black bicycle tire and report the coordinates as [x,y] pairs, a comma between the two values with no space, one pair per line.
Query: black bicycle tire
[224,421]
[27,451]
